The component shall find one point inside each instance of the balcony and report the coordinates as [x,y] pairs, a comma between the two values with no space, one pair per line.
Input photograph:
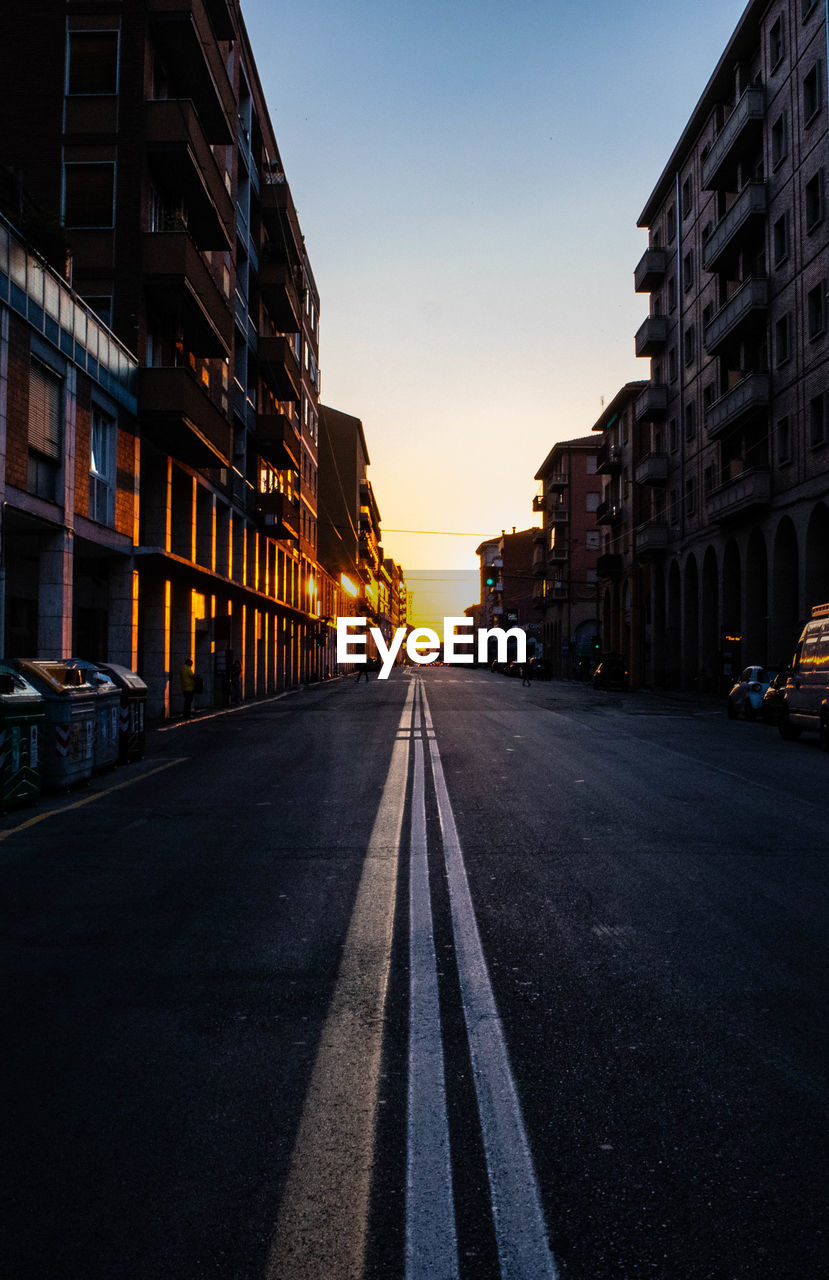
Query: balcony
[748,397]
[652,404]
[179,416]
[180,157]
[183,36]
[609,513]
[748,491]
[652,469]
[539,562]
[280,217]
[278,439]
[745,311]
[280,295]
[279,366]
[539,502]
[609,566]
[651,336]
[558,515]
[650,270]
[540,535]
[651,540]
[221,18]
[178,282]
[728,236]
[608,458]
[538,596]
[555,480]
[558,555]
[556,591]
[279,514]
[739,132]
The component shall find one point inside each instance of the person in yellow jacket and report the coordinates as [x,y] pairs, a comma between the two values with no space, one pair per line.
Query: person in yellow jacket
[187,680]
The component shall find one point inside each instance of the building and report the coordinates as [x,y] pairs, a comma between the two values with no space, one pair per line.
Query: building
[142,131]
[735,413]
[68,578]
[567,548]
[507,600]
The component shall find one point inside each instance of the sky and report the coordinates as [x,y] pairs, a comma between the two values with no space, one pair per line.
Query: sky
[468,177]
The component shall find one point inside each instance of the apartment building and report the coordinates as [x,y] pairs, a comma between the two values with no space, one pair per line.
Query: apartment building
[735,414]
[567,548]
[142,130]
[68,578]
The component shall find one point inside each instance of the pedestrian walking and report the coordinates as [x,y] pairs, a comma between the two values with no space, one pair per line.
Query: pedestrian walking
[187,680]
[362,670]
[526,673]
[236,682]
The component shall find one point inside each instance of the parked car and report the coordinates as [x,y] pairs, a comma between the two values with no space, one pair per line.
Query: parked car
[611,673]
[806,695]
[774,699]
[541,669]
[746,696]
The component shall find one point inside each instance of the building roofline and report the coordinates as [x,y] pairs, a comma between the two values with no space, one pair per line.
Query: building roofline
[622,397]
[585,444]
[488,542]
[327,409]
[743,40]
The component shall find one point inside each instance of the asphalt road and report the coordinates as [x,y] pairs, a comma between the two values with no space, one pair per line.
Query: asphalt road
[428,977]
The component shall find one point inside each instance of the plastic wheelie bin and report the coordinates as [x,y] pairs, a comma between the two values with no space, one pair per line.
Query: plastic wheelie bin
[22,717]
[133,702]
[69,737]
[107,712]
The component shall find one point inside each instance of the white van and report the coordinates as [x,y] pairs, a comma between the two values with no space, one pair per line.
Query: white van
[806,696]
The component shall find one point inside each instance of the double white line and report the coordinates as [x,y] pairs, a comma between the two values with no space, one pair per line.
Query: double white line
[321,1229]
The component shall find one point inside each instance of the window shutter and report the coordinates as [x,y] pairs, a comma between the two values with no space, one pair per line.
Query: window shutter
[45,434]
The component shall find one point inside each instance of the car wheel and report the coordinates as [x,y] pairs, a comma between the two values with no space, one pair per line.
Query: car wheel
[824,733]
[748,709]
[732,714]
[788,731]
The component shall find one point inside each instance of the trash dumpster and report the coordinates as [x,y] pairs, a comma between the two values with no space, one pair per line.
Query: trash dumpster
[133,701]
[107,712]
[69,736]
[22,717]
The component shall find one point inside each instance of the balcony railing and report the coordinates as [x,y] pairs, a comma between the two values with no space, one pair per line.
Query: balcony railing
[555,480]
[650,270]
[183,35]
[539,502]
[183,163]
[180,284]
[651,539]
[279,214]
[727,236]
[280,365]
[652,469]
[558,554]
[748,397]
[651,336]
[746,492]
[609,512]
[745,120]
[652,403]
[179,415]
[277,435]
[744,309]
[558,515]
[280,515]
[608,458]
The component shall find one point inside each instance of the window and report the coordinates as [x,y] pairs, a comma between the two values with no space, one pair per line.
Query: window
[813,194]
[101,304]
[709,478]
[89,195]
[690,421]
[102,468]
[811,93]
[782,340]
[45,431]
[670,223]
[672,294]
[591,540]
[593,500]
[779,145]
[817,415]
[690,497]
[784,443]
[687,197]
[687,271]
[780,239]
[816,310]
[707,313]
[590,464]
[690,345]
[808,6]
[709,395]
[673,437]
[672,364]
[93,62]
[777,42]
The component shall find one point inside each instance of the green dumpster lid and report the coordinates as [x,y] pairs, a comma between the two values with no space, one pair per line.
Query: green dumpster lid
[15,688]
[124,677]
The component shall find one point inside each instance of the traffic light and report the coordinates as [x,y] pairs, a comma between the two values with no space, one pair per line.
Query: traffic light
[490,579]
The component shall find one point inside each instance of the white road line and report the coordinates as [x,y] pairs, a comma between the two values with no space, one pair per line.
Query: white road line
[431,1238]
[520,1229]
[323,1216]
